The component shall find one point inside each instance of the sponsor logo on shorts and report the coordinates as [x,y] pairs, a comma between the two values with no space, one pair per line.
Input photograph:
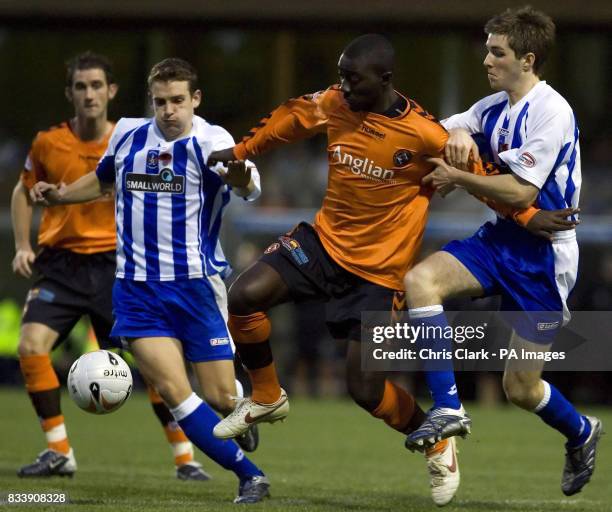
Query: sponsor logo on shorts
[166,181]
[272,247]
[289,243]
[215,342]
[547,326]
[402,158]
[295,250]
[527,159]
[40,294]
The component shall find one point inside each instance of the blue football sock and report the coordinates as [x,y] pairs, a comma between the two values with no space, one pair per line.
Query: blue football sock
[556,411]
[197,420]
[439,373]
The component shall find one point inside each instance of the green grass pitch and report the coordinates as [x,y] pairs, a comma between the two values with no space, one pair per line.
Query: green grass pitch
[327,456]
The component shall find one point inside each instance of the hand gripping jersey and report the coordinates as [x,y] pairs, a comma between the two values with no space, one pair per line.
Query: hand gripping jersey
[537,139]
[169,201]
[58,155]
[374,211]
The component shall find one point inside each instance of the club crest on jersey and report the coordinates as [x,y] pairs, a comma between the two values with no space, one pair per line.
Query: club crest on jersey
[164,182]
[152,159]
[527,159]
[402,158]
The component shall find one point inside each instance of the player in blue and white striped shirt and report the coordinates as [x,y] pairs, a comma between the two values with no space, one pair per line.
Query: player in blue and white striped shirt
[530,136]
[169,299]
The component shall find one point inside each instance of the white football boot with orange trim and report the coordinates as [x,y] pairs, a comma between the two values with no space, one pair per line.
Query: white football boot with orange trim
[443,470]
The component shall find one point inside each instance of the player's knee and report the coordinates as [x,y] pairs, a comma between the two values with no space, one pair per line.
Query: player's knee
[31,346]
[522,392]
[220,400]
[35,339]
[242,298]
[364,394]
[420,285]
[258,289]
[172,393]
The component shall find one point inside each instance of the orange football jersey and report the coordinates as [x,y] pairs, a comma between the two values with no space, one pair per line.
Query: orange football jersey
[374,212]
[58,155]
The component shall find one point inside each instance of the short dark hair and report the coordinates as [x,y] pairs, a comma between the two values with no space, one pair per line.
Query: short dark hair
[175,70]
[89,60]
[527,30]
[377,48]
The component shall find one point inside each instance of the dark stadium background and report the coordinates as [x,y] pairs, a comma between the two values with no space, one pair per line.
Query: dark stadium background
[253,55]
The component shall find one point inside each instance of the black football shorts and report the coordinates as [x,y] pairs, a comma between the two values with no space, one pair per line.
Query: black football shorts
[70,285]
[310,273]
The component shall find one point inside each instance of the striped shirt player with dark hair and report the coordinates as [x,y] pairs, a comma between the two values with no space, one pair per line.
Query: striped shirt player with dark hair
[169,299]
[530,133]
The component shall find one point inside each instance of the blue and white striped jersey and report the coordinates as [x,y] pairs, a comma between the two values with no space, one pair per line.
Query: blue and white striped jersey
[169,201]
[537,138]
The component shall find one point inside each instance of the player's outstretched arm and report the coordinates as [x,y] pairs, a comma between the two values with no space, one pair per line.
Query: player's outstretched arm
[296,119]
[85,189]
[21,217]
[508,189]
[222,155]
[542,223]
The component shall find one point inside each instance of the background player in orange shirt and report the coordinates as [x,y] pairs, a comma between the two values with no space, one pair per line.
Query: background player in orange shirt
[76,263]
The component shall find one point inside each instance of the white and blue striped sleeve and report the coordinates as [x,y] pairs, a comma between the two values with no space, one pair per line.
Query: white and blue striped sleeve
[472,120]
[106,166]
[123,129]
[549,141]
[468,120]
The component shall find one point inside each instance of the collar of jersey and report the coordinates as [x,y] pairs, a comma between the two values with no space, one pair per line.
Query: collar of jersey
[519,104]
[401,116]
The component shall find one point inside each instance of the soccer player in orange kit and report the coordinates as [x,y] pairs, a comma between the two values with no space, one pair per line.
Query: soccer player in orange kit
[365,237]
